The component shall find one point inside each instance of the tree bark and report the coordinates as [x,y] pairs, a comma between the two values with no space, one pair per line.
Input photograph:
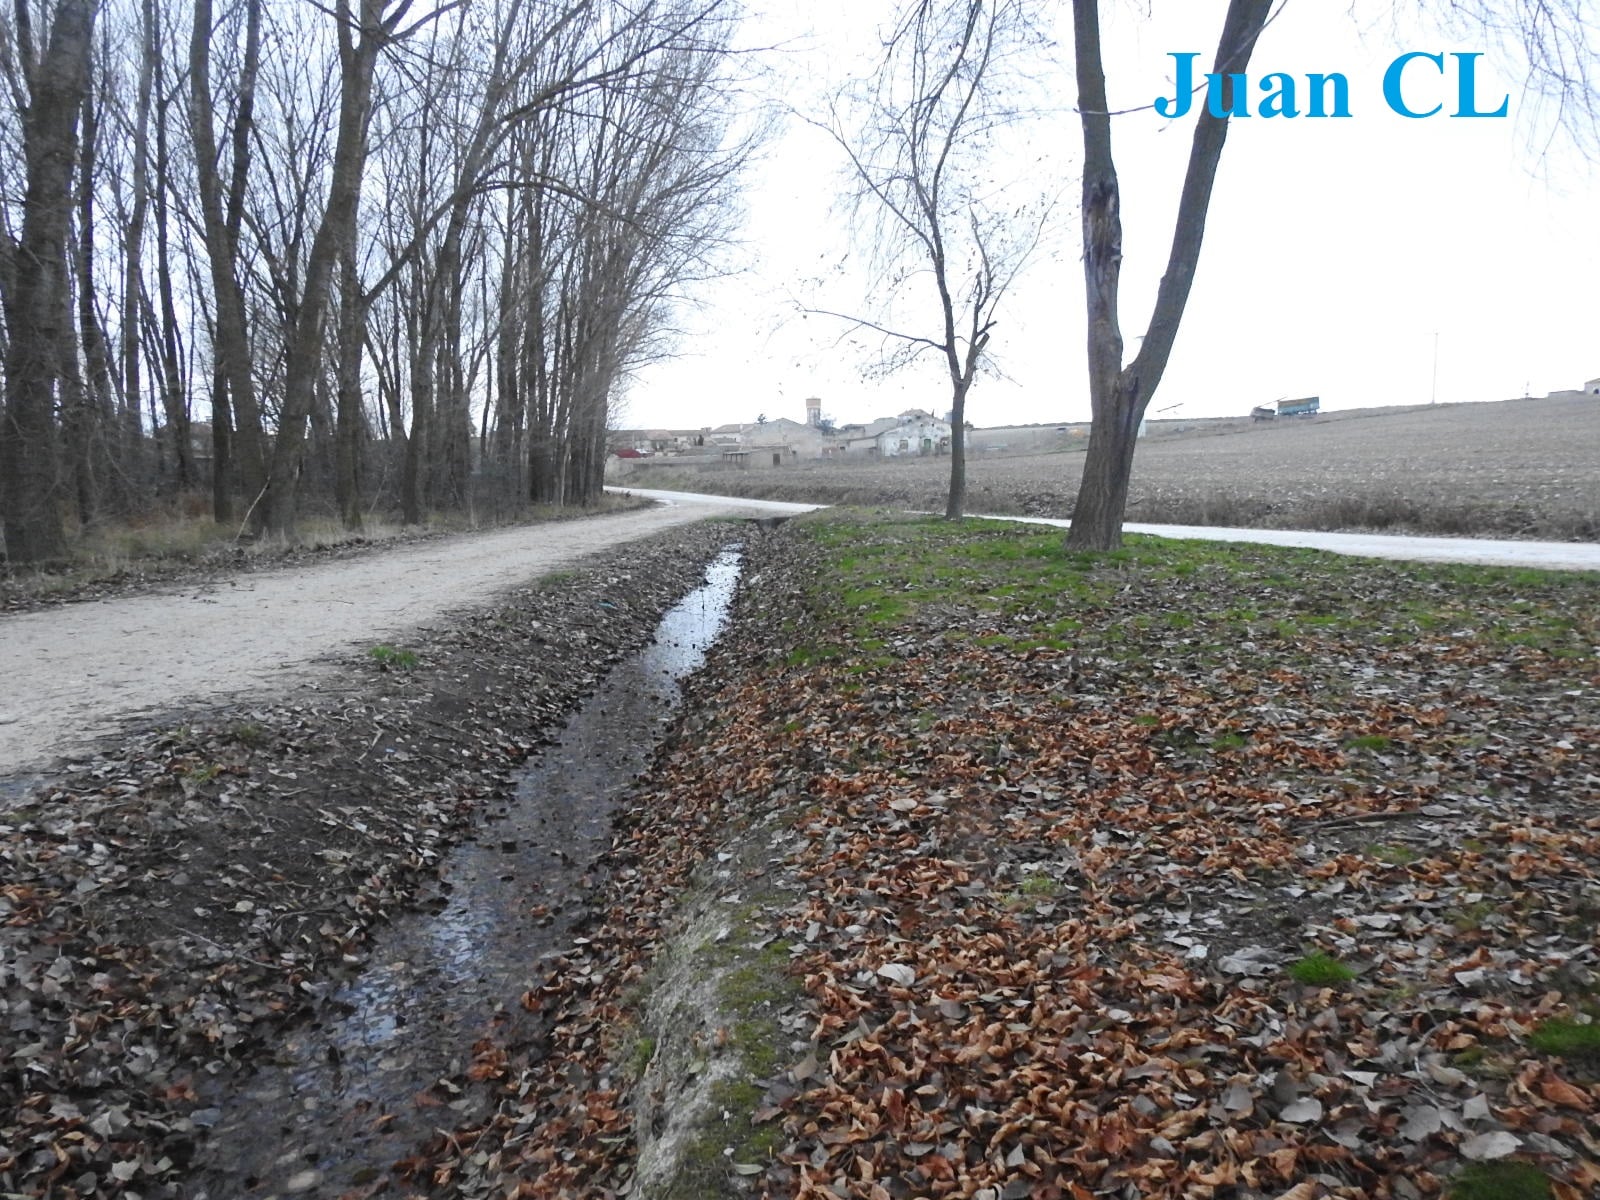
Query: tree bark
[304,353]
[133,234]
[350,419]
[1118,395]
[96,465]
[230,337]
[34,307]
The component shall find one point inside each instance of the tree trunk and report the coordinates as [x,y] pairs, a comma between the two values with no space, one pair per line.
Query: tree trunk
[174,404]
[230,337]
[133,234]
[351,419]
[1118,395]
[335,233]
[33,304]
[955,505]
[77,423]
[96,467]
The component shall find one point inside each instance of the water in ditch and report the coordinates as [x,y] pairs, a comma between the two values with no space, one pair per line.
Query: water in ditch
[351,1093]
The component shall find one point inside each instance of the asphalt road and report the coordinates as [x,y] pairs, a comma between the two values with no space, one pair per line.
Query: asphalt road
[1546,556]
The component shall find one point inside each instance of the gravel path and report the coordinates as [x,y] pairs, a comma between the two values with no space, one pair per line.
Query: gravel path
[73,674]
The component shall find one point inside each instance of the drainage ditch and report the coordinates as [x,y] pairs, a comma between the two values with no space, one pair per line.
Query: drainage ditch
[353,1092]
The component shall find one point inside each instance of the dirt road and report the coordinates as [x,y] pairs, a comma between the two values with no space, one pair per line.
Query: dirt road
[73,674]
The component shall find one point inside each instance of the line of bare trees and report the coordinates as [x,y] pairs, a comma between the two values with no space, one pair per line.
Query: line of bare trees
[366,255]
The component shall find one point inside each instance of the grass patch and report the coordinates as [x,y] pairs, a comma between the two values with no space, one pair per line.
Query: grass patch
[248,733]
[1373,743]
[1506,1180]
[1394,854]
[1566,1039]
[1321,970]
[392,658]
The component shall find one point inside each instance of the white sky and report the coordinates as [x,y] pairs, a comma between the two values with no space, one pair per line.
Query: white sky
[1334,251]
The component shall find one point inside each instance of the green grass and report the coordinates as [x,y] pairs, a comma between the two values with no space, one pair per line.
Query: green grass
[1504,1180]
[392,658]
[1321,970]
[1566,1039]
[202,774]
[1393,854]
[644,1049]
[1372,742]
[248,733]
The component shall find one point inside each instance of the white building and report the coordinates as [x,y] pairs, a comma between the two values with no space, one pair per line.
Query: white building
[914,433]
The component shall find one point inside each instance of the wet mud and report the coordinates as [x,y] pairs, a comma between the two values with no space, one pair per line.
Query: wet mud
[353,1092]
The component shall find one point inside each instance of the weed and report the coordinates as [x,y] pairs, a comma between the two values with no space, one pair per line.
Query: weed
[248,733]
[1228,741]
[390,658]
[1566,1039]
[644,1049]
[1373,742]
[1472,916]
[1393,854]
[1318,969]
[1039,887]
[1504,1180]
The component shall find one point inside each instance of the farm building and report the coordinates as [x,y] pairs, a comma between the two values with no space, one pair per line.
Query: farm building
[1592,387]
[769,455]
[779,434]
[914,433]
[657,441]
[1306,406]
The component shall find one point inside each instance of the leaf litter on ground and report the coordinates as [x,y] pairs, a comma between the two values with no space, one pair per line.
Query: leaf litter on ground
[1059,827]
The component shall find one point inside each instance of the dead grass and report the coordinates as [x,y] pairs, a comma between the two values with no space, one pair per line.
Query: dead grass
[1520,468]
[115,557]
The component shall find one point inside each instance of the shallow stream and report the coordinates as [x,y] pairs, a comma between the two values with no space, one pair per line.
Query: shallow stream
[351,1093]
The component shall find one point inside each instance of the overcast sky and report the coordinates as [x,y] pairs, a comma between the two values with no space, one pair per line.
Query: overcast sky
[1335,250]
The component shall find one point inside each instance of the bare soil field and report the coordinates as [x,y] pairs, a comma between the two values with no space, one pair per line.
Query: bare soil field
[1518,468]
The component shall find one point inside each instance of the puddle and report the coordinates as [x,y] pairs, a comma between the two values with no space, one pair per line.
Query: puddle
[340,1103]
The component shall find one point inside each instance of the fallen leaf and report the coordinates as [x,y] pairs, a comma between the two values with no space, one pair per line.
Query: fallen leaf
[1487,1146]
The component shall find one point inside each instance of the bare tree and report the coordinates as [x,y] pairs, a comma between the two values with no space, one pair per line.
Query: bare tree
[1558,38]
[1119,394]
[234,391]
[54,82]
[548,177]
[919,139]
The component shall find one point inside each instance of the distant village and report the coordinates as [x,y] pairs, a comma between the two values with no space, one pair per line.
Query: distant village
[780,441]
[914,433]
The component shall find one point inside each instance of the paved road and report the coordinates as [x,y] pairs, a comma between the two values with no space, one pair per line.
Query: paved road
[69,675]
[1550,556]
